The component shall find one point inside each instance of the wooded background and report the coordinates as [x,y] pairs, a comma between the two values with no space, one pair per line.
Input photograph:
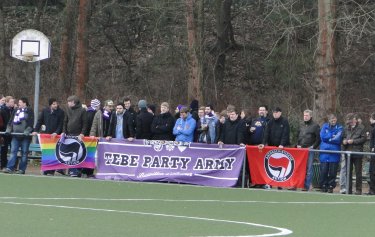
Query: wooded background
[306,54]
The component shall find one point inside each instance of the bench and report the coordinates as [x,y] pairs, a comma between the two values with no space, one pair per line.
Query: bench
[35,152]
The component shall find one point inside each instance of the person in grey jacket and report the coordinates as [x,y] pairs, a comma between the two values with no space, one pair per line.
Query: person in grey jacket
[353,139]
[21,122]
[102,118]
[308,137]
[75,124]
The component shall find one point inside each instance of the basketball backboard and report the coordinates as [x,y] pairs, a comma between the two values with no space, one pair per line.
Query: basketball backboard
[30,46]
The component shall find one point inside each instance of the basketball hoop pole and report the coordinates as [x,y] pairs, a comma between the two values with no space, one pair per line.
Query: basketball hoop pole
[36,92]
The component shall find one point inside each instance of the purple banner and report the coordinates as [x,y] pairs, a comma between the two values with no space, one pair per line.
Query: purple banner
[169,161]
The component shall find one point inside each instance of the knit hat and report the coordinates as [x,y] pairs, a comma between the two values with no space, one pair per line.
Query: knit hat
[179,107]
[152,107]
[95,103]
[194,105]
[142,104]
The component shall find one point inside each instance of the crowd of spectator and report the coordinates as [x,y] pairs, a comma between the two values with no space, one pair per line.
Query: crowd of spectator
[189,124]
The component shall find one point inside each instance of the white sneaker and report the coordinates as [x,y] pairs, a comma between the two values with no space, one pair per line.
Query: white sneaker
[343,191]
[267,186]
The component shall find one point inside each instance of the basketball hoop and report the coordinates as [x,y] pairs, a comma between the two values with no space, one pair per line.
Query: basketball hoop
[28,57]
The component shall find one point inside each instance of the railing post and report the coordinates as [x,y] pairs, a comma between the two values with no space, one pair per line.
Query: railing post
[243,171]
[347,173]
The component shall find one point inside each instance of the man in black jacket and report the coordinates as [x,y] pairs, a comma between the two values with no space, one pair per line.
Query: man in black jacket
[233,130]
[6,112]
[143,121]
[308,137]
[277,131]
[50,121]
[119,124]
[162,124]
[129,115]
[233,133]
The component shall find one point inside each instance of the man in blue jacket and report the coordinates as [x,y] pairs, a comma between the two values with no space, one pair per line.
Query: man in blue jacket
[331,137]
[184,127]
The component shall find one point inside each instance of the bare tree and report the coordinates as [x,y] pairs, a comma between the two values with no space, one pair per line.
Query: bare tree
[39,12]
[223,28]
[66,47]
[194,79]
[325,90]
[3,79]
[82,72]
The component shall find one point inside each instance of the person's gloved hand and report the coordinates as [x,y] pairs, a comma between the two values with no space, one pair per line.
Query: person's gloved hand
[7,132]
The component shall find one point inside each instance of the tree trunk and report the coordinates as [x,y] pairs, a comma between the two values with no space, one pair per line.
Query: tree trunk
[194,80]
[223,21]
[39,13]
[67,53]
[3,79]
[325,94]
[82,72]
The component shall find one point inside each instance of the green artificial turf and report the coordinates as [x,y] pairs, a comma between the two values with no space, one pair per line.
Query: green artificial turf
[53,206]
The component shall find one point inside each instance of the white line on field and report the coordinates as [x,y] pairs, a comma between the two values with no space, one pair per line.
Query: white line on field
[282,231]
[178,200]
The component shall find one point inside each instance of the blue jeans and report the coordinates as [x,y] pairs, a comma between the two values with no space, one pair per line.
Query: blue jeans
[309,170]
[328,172]
[23,143]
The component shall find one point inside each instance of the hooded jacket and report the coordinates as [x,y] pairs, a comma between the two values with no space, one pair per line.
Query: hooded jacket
[331,138]
[184,129]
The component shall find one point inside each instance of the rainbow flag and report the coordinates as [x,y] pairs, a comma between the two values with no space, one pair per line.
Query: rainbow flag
[66,152]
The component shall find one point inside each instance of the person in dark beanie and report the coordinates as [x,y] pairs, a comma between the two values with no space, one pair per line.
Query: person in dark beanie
[277,131]
[162,124]
[143,121]
[151,109]
[50,121]
[194,106]
[21,122]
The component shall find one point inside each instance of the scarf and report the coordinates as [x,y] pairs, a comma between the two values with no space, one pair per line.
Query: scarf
[106,115]
[91,109]
[19,116]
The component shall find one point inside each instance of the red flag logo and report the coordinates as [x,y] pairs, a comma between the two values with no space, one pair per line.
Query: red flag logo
[279,165]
